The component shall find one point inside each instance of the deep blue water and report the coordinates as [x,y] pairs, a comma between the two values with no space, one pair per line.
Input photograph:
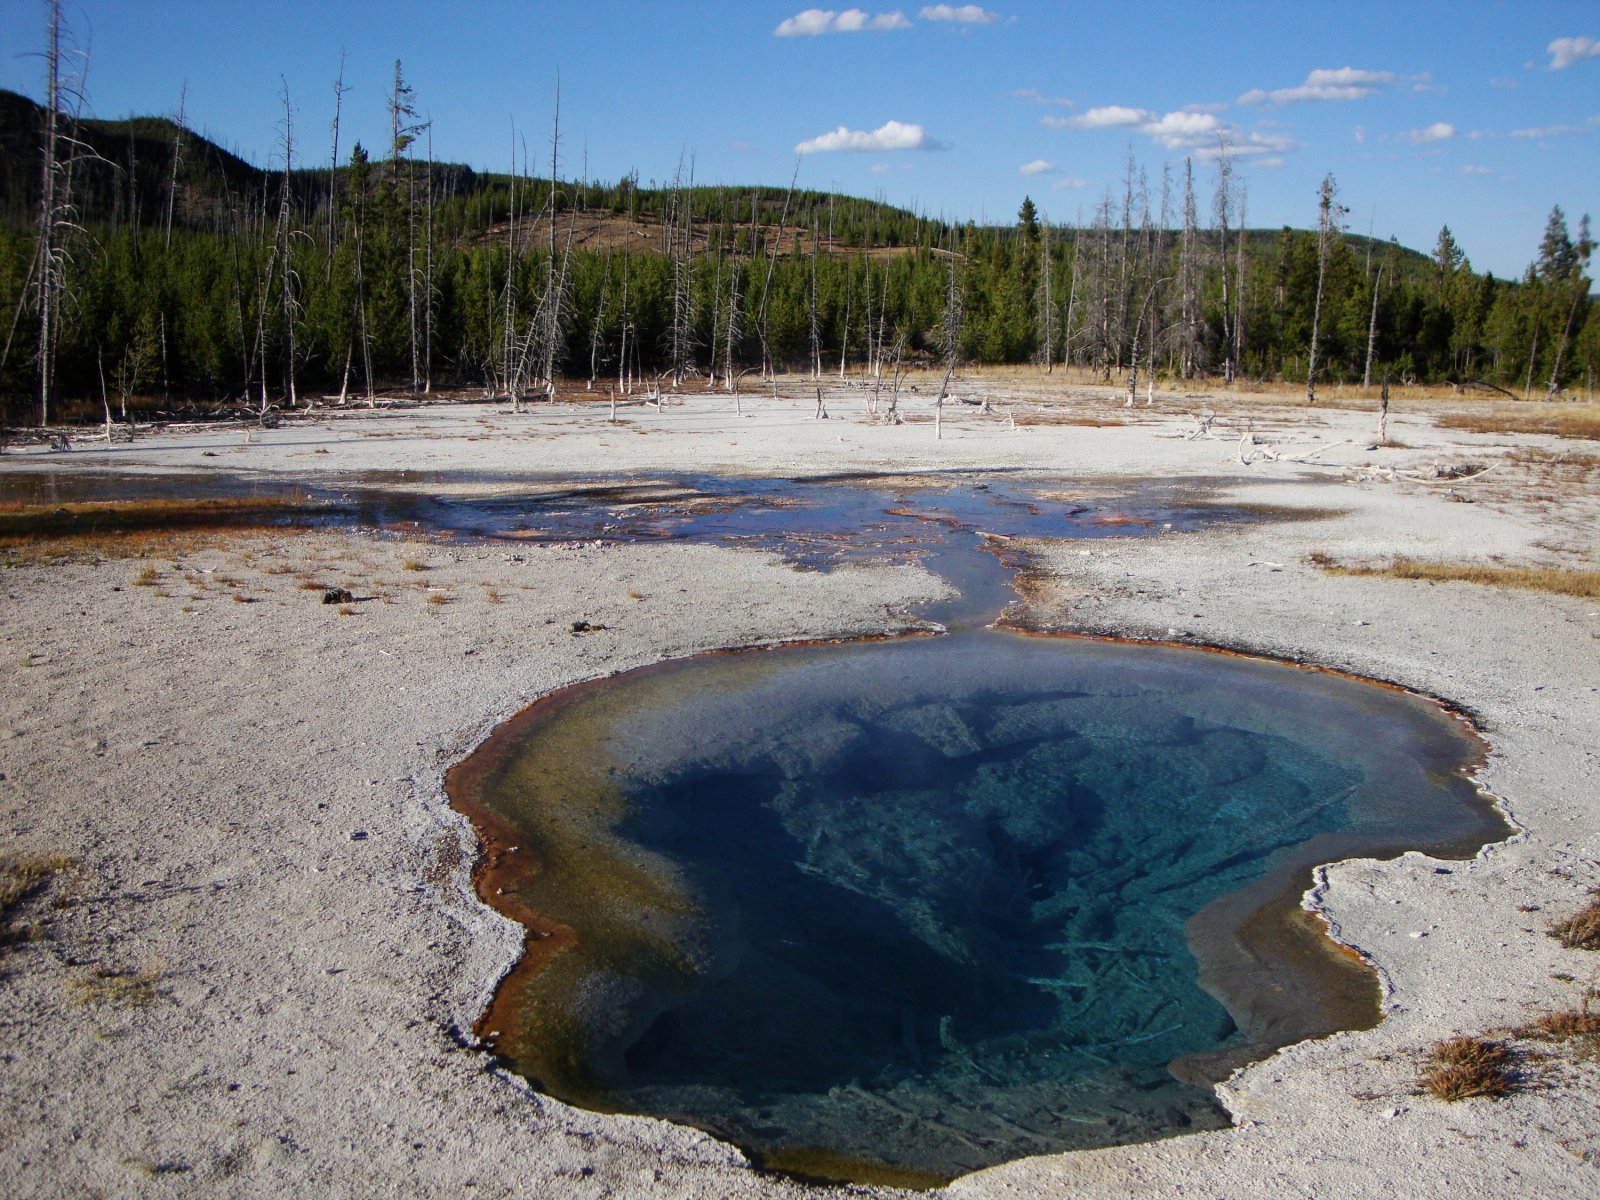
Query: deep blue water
[930,904]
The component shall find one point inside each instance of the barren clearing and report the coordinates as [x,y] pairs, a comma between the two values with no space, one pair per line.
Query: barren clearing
[246,957]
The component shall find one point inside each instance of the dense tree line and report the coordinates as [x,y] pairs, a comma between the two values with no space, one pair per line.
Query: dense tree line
[176,272]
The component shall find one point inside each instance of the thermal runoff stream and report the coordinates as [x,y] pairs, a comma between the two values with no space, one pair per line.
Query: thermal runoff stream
[896,911]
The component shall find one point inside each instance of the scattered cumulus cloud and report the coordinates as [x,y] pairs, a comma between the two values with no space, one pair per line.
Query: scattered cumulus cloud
[741,147]
[1109,116]
[1035,96]
[814,22]
[1177,130]
[1181,129]
[961,14]
[1038,166]
[1259,144]
[1566,51]
[1069,183]
[1470,169]
[1439,131]
[1360,134]
[891,135]
[1342,83]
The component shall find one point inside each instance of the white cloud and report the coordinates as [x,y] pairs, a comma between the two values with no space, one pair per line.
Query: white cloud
[1071,181]
[1254,145]
[1505,85]
[1177,130]
[1037,97]
[1038,166]
[1566,51]
[964,14]
[816,21]
[742,147]
[1439,131]
[1360,132]
[1109,116]
[1470,169]
[1341,83]
[891,135]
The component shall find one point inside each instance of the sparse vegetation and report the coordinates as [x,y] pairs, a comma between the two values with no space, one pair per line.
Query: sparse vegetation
[1461,1068]
[31,534]
[147,577]
[1580,931]
[1567,1025]
[1567,422]
[20,880]
[106,985]
[1561,581]
[413,564]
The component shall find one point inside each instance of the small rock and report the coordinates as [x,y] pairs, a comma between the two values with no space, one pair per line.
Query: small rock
[337,595]
[359,835]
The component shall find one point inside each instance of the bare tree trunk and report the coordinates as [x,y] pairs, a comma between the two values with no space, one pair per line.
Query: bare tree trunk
[1238,288]
[428,296]
[1047,306]
[766,286]
[1372,330]
[339,90]
[177,157]
[1578,292]
[816,329]
[1224,204]
[285,239]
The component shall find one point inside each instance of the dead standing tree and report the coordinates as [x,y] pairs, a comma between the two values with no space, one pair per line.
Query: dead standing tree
[1223,209]
[58,227]
[955,310]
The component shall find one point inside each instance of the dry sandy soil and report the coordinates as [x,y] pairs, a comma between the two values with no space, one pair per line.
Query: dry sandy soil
[256,971]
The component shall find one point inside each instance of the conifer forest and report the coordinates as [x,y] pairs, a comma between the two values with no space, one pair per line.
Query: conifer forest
[145,269]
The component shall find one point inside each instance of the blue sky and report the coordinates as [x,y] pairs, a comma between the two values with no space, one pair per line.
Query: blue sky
[1474,114]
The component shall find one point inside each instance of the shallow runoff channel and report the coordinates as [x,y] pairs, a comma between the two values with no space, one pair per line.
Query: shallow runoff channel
[895,911]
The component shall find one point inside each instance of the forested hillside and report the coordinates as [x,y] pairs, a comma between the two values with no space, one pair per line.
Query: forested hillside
[143,264]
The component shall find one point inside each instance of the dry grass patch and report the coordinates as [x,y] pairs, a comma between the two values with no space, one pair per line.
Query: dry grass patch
[1580,931]
[1562,1026]
[413,564]
[25,877]
[1560,581]
[1461,1068]
[1564,422]
[106,985]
